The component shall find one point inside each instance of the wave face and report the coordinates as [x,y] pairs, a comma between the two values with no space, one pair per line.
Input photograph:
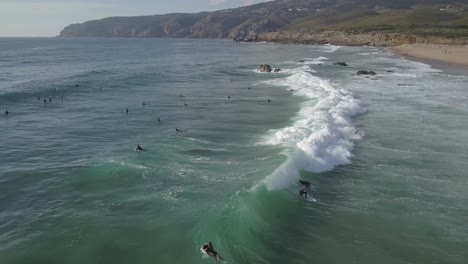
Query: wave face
[322,135]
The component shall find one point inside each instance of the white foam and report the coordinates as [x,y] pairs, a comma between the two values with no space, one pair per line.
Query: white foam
[331,48]
[131,165]
[322,135]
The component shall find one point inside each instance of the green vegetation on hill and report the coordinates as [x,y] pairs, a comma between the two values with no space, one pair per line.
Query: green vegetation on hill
[432,20]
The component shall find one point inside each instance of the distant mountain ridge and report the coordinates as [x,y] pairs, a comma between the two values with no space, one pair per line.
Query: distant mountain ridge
[448,18]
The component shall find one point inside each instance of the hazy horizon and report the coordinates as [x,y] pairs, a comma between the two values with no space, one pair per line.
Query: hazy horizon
[46,18]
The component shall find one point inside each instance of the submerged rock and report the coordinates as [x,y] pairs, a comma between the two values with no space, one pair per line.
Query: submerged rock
[277,70]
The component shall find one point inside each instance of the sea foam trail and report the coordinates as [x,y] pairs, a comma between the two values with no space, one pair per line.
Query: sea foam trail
[322,135]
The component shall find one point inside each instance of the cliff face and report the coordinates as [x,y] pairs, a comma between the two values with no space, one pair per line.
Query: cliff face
[353,39]
[337,38]
[329,19]
[230,23]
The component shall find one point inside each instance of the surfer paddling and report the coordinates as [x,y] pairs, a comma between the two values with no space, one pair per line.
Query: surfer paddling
[139,148]
[208,249]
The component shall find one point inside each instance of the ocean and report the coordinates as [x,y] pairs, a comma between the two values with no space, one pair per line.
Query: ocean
[386,155]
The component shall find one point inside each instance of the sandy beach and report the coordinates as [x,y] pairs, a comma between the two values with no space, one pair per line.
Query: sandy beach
[450,54]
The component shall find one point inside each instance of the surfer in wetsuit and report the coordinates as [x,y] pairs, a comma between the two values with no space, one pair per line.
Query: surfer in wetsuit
[303,192]
[139,148]
[209,250]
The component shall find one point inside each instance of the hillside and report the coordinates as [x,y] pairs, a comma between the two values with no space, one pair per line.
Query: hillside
[445,18]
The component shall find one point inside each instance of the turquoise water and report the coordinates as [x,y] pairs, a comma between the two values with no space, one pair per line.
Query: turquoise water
[386,155]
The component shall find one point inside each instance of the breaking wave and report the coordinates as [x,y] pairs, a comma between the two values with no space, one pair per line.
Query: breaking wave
[323,133]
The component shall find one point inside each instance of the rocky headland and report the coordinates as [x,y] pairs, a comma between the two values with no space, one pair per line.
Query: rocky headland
[344,38]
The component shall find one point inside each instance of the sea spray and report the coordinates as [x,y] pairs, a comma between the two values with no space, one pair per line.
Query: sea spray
[322,135]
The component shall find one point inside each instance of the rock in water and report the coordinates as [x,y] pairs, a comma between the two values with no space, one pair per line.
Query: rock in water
[265,68]
[340,63]
[366,72]
[277,70]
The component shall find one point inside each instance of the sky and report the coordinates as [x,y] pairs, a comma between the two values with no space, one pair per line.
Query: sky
[45,18]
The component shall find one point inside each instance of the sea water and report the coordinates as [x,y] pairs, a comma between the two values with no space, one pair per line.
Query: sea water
[386,155]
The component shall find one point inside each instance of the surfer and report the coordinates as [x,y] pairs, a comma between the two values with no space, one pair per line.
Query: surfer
[126,110]
[208,249]
[38,98]
[143,104]
[139,148]
[6,112]
[303,192]
[229,97]
[269,100]
[178,130]
[159,120]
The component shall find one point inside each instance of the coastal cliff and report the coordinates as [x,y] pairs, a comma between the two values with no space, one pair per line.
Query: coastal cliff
[353,39]
[343,22]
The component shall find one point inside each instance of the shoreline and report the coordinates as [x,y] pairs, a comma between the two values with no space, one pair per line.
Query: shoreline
[452,57]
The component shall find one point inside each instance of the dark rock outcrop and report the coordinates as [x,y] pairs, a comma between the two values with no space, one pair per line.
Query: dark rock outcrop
[265,68]
[364,72]
[340,63]
[277,70]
